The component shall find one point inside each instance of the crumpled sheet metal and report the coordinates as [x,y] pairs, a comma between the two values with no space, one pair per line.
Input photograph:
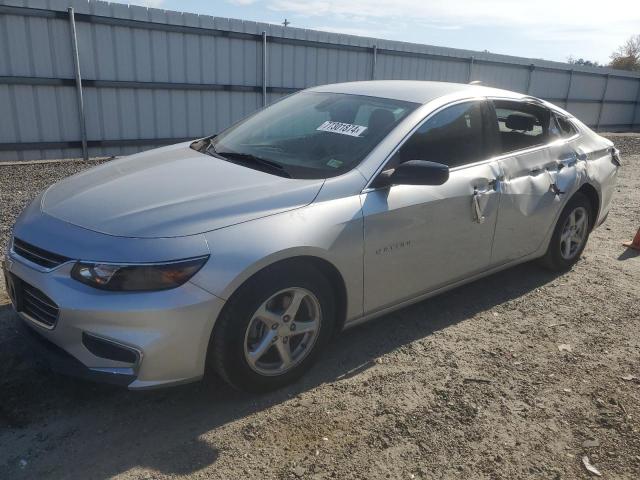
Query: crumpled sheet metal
[527,180]
[529,194]
[532,191]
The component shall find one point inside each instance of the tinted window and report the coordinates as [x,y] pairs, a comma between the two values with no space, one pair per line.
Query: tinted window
[453,137]
[521,125]
[311,134]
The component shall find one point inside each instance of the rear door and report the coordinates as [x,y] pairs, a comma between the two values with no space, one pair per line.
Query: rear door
[533,163]
[420,238]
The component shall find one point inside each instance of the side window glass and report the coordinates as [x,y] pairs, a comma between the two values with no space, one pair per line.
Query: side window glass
[522,125]
[566,127]
[453,137]
[554,128]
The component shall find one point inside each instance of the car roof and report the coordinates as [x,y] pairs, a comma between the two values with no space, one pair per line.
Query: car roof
[416,91]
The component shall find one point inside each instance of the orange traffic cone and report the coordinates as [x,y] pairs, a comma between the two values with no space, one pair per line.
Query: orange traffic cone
[635,244]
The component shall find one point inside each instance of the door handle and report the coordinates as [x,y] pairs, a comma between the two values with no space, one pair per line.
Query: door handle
[492,186]
[477,211]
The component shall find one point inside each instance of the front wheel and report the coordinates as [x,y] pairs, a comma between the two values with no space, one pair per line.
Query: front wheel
[273,328]
[570,234]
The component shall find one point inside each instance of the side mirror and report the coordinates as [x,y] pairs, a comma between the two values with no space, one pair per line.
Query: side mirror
[415,172]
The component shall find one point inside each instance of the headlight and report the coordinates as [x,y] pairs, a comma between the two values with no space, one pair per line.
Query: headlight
[137,277]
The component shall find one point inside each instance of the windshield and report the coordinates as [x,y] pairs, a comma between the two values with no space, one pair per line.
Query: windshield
[310,134]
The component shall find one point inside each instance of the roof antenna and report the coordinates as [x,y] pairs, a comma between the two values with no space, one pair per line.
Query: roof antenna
[475,82]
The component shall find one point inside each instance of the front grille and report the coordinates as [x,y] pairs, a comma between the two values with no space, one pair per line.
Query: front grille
[36,304]
[37,255]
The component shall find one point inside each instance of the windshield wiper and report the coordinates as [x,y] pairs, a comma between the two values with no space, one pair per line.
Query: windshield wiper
[249,158]
[203,144]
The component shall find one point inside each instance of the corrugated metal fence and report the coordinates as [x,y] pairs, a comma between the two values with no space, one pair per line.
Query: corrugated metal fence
[151,77]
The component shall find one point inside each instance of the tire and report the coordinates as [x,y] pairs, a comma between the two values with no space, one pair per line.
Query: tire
[558,256]
[240,332]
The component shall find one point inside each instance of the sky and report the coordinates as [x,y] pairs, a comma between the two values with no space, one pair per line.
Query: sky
[548,29]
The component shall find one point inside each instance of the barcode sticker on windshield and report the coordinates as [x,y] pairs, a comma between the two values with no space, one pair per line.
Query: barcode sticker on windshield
[342,128]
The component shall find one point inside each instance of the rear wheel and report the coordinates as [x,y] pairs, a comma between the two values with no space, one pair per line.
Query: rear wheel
[570,235]
[273,328]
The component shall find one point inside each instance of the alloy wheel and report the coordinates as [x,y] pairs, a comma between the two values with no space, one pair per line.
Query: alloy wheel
[283,331]
[574,233]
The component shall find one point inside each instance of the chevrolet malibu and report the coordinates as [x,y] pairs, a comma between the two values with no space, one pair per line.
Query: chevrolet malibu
[244,252]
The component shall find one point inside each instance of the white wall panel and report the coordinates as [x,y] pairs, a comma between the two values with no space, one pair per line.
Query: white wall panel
[221,62]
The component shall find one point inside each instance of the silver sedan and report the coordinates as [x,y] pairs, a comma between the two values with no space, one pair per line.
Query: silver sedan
[244,252]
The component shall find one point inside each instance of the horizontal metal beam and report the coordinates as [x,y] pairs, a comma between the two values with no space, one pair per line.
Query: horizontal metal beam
[317,44]
[151,25]
[47,81]
[428,56]
[139,142]
[70,82]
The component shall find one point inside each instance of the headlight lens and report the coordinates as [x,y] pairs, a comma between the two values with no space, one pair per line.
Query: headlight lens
[137,277]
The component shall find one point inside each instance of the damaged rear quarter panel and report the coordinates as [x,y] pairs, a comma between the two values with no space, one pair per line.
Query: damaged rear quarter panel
[597,169]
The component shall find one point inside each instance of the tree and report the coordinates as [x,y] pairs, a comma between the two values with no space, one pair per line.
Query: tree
[627,57]
[582,62]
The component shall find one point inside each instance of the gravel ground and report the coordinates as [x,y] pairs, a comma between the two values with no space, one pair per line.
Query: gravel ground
[470,384]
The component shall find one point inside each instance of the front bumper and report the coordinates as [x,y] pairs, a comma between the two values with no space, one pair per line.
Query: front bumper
[169,329]
[60,361]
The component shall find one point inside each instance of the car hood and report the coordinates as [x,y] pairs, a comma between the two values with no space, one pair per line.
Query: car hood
[170,192]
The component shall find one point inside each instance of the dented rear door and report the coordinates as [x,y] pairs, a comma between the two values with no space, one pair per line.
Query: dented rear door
[529,202]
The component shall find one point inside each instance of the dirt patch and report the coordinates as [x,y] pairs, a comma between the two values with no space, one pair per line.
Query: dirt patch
[470,384]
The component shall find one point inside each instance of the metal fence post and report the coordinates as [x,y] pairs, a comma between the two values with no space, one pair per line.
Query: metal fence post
[636,109]
[374,62]
[471,60]
[76,63]
[604,95]
[568,95]
[264,69]
[531,68]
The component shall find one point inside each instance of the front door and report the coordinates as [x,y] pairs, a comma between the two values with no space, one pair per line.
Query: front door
[420,238]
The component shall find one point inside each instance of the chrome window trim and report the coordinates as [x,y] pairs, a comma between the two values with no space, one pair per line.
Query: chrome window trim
[522,151]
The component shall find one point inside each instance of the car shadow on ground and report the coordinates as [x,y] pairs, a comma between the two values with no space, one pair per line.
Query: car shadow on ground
[162,429]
